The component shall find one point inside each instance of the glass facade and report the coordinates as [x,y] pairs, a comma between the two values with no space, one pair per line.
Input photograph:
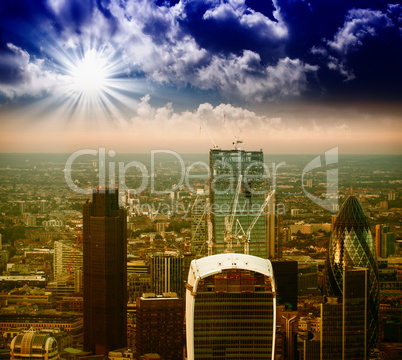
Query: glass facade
[233,316]
[226,166]
[352,245]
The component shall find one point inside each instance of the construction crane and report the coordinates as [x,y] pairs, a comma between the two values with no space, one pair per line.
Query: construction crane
[228,236]
[69,265]
[250,228]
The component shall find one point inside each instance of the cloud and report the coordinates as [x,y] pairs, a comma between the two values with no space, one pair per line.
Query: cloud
[364,50]
[249,19]
[28,75]
[359,24]
[243,77]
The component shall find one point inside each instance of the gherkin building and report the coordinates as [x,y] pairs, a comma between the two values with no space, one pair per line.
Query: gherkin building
[352,245]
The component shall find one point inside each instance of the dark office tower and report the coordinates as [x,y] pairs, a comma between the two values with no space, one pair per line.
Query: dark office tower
[230,308]
[105,278]
[352,245]
[226,167]
[344,319]
[286,277]
[159,327]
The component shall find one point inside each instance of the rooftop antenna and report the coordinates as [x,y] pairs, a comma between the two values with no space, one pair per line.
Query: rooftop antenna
[238,141]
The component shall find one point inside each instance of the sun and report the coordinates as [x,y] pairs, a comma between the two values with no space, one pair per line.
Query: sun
[89,75]
[96,84]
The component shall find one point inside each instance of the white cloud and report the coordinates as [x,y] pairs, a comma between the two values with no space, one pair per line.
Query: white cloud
[243,77]
[32,78]
[359,24]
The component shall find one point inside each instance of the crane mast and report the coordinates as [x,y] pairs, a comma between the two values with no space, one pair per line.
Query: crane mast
[250,228]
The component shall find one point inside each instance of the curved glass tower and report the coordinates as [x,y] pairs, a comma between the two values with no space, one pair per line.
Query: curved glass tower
[352,245]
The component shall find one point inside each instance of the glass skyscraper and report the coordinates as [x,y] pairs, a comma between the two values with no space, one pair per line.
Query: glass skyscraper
[352,245]
[226,166]
[230,308]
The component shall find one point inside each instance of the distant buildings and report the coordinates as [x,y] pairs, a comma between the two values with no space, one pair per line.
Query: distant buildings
[352,245]
[105,273]
[384,241]
[44,319]
[230,308]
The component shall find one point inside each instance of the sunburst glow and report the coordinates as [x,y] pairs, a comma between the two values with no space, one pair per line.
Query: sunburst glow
[97,84]
[90,74]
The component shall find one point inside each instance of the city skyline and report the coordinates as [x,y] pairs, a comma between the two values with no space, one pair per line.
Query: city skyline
[140,75]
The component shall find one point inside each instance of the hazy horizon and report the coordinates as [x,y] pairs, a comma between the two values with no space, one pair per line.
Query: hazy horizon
[285,77]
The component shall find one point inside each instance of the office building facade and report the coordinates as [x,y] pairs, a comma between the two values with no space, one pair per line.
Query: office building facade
[230,308]
[352,245]
[159,325]
[286,278]
[167,273]
[105,273]
[344,319]
[226,167]
[199,223]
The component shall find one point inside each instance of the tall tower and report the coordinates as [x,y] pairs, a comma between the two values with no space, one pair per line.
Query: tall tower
[352,245]
[344,319]
[226,168]
[105,268]
[230,308]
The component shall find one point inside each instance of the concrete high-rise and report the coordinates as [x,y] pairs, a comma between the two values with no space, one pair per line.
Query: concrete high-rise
[230,308]
[67,256]
[352,245]
[105,268]
[226,168]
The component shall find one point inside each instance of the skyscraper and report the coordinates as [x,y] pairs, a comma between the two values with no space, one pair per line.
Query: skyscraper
[344,319]
[167,273]
[352,245]
[105,279]
[238,186]
[230,308]
[384,241]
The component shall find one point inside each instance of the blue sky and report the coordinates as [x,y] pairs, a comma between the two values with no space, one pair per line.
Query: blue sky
[136,75]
